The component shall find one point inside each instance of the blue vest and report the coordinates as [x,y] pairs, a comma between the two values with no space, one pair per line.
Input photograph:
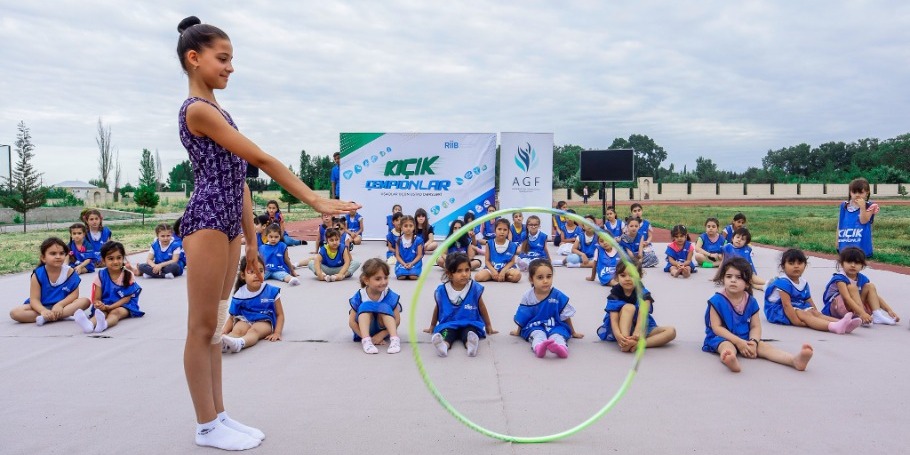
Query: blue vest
[736,323]
[745,252]
[537,248]
[851,232]
[329,261]
[560,223]
[544,315]
[573,233]
[392,241]
[410,253]
[615,230]
[488,229]
[353,221]
[606,265]
[387,305]
[111,293]
[96,245]
[457,315]
[643,229]
[712,247]
[499,260]
[260,307]
[680,256]
[80,256]
[389,223]
[727,233]
[167,254]
[273,255]
[831,291]
[50,294]
[518,237]
[774,311]
[614,305]
[586,247]
[632,245]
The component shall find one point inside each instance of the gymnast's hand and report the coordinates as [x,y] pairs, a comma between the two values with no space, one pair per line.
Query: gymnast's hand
[253,265]
[333,206]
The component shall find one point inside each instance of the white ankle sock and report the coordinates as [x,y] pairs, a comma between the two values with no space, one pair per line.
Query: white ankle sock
[442,349]
[229,343]
[39,321]
[83,322]
[233,424]
[473,344]
[218,435]
[368,346]
[100,321]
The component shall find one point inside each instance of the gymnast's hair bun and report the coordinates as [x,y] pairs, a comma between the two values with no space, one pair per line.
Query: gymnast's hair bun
[187,23]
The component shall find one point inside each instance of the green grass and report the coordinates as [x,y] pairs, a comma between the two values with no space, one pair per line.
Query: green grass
[810,228]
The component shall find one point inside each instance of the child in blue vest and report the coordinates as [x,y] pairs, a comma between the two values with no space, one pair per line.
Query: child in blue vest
[788,300]
[389,219]
[732,324]
[255,312]
[645,231]
[460,313]
[500,257]
[621,322]
[391,239]
[605,261]
[98,234]
[165,258]
[739,222]
[544,315]
[517,230]
[54,288]
[115,293]
[738,246]
[851,291]
[354,227]
[328,222]
[424,230]
[408,251]
[709,247]
[461,245]
[375,309]
[559,224]
[534,246]
[333,262]
[679,253]
[854,222]
[583,247]
[488,228]
[274,213]
[82,253]
[613,225]
[570,231]
[275,256]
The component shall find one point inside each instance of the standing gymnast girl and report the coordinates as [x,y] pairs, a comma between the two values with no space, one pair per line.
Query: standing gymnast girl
[219,209]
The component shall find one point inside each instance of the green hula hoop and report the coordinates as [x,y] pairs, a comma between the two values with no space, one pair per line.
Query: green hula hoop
[412,331]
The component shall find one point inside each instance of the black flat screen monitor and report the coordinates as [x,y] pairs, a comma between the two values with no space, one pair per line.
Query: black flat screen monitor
[617,165]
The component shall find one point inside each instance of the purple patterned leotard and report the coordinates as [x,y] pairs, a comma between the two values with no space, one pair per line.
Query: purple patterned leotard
[217,200]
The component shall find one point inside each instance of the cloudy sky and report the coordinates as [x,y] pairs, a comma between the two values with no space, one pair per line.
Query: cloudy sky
[725,80]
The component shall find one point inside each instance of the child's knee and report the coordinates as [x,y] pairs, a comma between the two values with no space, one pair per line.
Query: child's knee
[627,309]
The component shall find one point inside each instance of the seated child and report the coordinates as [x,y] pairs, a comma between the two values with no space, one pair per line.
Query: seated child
[613,225]
[375,309]
[571,231]
[646,233]
[389,219]
[534,246]
[732,324]
[709,247]
[328,222]
[632,243]
[488,228]
[275,257]
[559,224]
[275,216]
[544,316]
[82,254]
[460,313]
[739,222]
[354,222]
[462,245]
[255,312]
[115,294]
[739,246]
[788,300]
[166,258]
[851,291]
[341,225]
[391,239]
[499,263]
[517,231]
[583,247]
[605,261]
[98,234]
[622,314]
[54,289]
[408,251]
[333,262]
[679,253]
[425,230]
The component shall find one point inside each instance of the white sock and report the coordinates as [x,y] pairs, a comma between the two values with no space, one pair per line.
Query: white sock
[368,346]
[233,424]
[394,345]
[83,322]
[218,435]
[442,349]
[169,275]
[229,343]
[473,344]
[39,321]
[294,281]
[100,321]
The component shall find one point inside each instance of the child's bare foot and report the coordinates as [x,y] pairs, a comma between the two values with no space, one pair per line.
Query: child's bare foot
[729,359]
[802,359]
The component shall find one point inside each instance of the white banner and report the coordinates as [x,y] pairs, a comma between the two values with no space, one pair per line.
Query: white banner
[526,173]
[446,174]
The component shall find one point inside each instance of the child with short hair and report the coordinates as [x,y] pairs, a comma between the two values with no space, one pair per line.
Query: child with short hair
[622,314]
[255,312]
[739,247]
[115,293]
[408,251]
[679,253]
[460,313]
[275,256]
[605,261]
[544,316]
[82,254]
[461,245]
[739,222]
[709,246]
[333,262]
[849,290]
[517,231]
[54,288]
[732,324]
[854,222]
[165,258]
[788,300]
[499,257]
[375,309]
[425,230]
[391,239]
[261,222]
[389,219]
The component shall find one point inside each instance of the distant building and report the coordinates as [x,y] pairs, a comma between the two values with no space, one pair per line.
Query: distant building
[91,194]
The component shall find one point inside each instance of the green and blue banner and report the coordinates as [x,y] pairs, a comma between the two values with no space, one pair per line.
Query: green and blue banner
[526,173]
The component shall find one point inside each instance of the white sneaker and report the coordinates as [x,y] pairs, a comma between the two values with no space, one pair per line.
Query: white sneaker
[473,343]
[169,276]
[394,345]
[294,281]
[442,350]
[879,316]
[368,346]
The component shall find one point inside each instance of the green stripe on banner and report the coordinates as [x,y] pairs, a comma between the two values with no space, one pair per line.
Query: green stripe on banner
[350,142]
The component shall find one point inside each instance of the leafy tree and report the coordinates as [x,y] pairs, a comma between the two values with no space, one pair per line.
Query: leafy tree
[180,175]
[308,169]
[105,154]
[98,182]
[128,188]
[648,155]
[147,170]
[565,164]
[27,191]
[145,197]
[705,170]
[287,197]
